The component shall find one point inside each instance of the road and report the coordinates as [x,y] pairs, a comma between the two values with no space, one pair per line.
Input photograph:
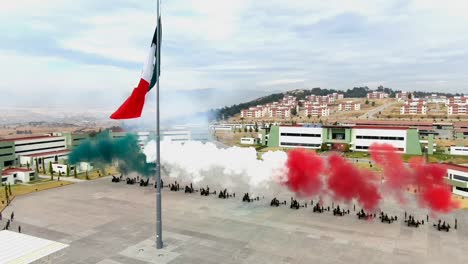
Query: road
[375,111]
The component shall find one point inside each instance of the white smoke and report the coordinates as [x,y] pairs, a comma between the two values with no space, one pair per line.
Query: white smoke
[234,168]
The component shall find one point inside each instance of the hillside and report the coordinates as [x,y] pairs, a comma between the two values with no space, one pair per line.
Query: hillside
[355,92]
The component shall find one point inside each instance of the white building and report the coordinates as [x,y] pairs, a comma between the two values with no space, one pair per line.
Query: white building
[37,144]
[377,95]
[458,176]
[176,135]
[349,106]
[248,141]
[458,150]
[414,108]
[143,138]
[306,137]
[364,136]
[317,111]
[43,158]
[14,175]
[457,109]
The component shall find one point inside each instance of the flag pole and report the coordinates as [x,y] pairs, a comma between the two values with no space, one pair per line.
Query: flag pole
[159,242]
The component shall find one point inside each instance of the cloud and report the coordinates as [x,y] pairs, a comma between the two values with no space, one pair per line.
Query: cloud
[94,50]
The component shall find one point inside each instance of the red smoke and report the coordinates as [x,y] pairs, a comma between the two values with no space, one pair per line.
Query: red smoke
[395,172]
[305,168]
[430,181]
[348,182]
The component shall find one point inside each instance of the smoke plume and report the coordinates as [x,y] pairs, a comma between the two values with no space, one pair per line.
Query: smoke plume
[102,150]
[233,168]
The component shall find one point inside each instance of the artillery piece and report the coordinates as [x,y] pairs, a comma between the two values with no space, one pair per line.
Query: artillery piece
[131,181]
[339,212]
[115,179]
[276,202]
[412,222]
[318,209]
[189,189]
[295,204]
[225,195]
[144,183]
[363,215]
[246,198]
[443,226]
[206,192]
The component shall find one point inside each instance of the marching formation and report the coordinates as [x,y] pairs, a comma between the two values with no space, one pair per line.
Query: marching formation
[317,207]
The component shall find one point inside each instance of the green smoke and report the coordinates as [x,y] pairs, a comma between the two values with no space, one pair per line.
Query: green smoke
[103,150]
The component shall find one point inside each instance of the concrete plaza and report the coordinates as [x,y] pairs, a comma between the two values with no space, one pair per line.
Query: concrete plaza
[112,223]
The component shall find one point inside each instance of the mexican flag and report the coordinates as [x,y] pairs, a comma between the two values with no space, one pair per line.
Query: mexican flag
[133,106]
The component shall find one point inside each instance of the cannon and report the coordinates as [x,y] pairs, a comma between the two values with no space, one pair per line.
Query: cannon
[131,181]
[144,183]
[246,198]
[174,187]
[318,209]
[115,179]
[363,215]
[443,226]
[339,212]
[223,194]
[276,202]
[384,218]
[412,222]
[189,189]
[206,192]
[295,204]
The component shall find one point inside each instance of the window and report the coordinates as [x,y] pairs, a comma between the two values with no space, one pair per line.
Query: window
[8,154]
[31,150]
[299,144]
[380,138]
[7,147]
[462,189]
[300,135]
[460,178]
[40,142]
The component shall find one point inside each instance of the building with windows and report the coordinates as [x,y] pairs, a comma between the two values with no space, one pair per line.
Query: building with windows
[457,177]
[413,108]
[180,135]
[343,137]
[316,111]
[24,146]
[403,96]
[349,106]
[377,95]
[457,109]
[459,150]
[7,154]
[15,175]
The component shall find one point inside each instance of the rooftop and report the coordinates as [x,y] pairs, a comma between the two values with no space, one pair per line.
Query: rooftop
[13,170]
[456,167]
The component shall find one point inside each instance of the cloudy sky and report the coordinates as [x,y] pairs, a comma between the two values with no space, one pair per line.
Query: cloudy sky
[89,53]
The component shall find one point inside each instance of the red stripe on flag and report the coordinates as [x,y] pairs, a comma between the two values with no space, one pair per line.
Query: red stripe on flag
[133,106]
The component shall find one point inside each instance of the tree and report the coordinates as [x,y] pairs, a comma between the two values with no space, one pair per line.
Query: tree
[27,165]
[68,169]
[74,171]
[367,102]
[309,116]
[43,167]
[51,171]
[294,112]
[373,104]
[245,129]
[9,189]
[87,177]
[250,129]
[60,174]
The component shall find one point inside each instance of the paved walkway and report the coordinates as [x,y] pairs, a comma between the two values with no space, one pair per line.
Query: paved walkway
[62,178]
